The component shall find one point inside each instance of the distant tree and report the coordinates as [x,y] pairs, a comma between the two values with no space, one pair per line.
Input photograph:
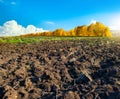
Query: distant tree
[81,31]
[107,32]
[59,32]
[90,30]
[72,32]
[98,29]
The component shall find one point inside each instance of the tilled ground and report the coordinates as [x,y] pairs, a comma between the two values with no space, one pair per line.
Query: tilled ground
[60,70]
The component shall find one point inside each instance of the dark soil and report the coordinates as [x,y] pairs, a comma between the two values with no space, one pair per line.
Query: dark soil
[60,70]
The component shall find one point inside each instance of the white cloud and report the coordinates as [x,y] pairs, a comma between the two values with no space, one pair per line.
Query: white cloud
[13,3]
[93,21]
[12,28]
[49,23]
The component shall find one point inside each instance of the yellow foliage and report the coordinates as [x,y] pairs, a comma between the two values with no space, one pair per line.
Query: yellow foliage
[81,31]
[98,29]
[59,32]
[71,32]
[95,29]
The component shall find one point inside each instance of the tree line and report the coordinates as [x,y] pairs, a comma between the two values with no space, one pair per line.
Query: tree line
[95,29]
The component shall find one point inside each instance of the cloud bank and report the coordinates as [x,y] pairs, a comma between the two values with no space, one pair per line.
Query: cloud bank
[12,28]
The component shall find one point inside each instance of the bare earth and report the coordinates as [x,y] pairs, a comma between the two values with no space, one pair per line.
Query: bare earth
[60,70]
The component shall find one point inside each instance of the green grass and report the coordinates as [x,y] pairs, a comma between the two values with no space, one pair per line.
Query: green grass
[44,38]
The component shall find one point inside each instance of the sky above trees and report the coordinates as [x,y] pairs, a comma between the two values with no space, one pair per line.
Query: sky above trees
[67,14]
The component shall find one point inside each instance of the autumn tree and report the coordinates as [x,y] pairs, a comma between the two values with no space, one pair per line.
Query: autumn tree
[90,30]
[59,32]
[98,29]
[81,31]
[107,32]
[71,32]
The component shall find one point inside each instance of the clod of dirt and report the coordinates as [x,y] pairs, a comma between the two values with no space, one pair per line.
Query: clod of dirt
[3,72]
[10,93]
[38,71]
[21,72]
[28,84]
[22,93]
[71,95]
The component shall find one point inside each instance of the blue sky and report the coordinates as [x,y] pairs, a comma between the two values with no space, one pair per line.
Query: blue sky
[67,14]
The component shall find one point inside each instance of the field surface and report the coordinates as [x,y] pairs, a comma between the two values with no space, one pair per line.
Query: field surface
[59,68]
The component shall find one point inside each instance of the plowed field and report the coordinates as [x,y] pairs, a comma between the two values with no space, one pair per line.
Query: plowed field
[71,69]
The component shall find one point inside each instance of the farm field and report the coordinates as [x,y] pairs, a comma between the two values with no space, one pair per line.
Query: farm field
[59,68]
